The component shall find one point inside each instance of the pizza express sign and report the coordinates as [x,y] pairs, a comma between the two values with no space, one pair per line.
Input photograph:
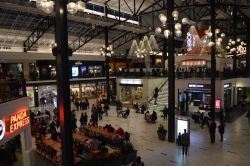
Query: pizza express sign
[17,121]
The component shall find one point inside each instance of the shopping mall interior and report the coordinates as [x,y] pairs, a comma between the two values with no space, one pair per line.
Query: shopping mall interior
[124,82]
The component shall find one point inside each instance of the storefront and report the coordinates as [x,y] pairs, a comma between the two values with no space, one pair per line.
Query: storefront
[91,89]
[198,95]
[13,69]
[15,121]
[131,91]
[227,87]
[31,95]
[43,93]
[78,69]
[243,95]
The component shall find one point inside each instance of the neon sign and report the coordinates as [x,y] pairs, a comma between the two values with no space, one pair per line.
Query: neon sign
[190,41]
[17,121]
[218,104]
[2,129]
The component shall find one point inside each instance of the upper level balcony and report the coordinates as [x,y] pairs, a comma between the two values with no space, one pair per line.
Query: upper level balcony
[11,89]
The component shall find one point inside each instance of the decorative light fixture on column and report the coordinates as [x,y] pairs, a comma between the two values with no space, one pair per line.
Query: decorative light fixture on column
[108,52]
[218,37]
[238,47]
[47,6]
[178,25]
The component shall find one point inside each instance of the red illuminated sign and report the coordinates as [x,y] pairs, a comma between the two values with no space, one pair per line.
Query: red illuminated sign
[17,121]
[218,103]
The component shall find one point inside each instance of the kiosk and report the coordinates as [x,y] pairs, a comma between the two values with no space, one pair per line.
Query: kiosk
[181,124]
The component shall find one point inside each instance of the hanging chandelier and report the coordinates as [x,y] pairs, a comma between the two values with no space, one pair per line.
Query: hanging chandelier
[107,52]
[177,26]
[219,36]
[47,6]
[238,46]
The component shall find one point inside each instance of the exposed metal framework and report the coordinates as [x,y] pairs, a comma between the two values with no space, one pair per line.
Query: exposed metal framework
[89,35]
[145,11]
[126,38]
[85,38]
[40,30]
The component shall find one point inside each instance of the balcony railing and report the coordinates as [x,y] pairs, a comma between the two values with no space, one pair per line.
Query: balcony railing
[12,89]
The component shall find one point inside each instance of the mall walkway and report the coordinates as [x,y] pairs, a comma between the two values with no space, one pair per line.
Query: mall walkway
[234,151]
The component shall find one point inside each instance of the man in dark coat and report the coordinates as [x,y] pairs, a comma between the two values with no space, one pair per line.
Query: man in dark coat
[156,94]
[185,141]
[212,129]
[221,129]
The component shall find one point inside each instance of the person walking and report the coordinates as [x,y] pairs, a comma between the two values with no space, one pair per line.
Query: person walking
[185,141]
[165,113]
[84,119]
[156,94]
[106,108]
[221,129]
[248,116]
[212,129]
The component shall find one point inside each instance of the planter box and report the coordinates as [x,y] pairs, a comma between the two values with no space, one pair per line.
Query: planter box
[162,135]
[128,158]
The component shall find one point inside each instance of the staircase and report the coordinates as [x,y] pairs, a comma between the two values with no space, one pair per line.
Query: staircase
[162,99]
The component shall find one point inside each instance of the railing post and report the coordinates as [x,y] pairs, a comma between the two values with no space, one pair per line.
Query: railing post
[23,84]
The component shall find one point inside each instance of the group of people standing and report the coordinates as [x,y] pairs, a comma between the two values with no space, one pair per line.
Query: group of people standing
[82,104]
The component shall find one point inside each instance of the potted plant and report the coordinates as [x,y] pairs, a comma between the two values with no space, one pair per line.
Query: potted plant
[128,153]
[162,132]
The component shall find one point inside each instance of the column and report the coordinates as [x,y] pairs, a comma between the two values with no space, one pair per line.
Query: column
[213,60]
[164,56]
[27,151]
[80,90]
[36,99]
[107,58]
[187,101]
[26,72]
[63,90]
[248,49]
[171,74]
[234,38]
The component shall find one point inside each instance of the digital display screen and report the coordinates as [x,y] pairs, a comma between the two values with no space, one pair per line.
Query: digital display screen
[218,104]
[84,69]
[75,72]
[181,125]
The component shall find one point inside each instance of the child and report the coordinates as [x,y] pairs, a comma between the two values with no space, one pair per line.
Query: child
[179,139]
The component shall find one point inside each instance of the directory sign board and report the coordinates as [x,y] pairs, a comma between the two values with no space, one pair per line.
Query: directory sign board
[182,124]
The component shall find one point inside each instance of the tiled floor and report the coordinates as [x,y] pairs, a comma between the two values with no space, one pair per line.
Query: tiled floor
[234,151]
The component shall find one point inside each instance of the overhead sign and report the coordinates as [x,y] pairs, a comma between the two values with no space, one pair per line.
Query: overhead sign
[199,86]
[131,81]
[227,85]
[190,41]
[17,121]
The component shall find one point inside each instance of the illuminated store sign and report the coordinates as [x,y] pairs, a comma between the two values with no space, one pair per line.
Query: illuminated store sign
[199,86]
[228,85]
[17,121]
[190,41]
[131,81]
[2,129]
[218,103]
